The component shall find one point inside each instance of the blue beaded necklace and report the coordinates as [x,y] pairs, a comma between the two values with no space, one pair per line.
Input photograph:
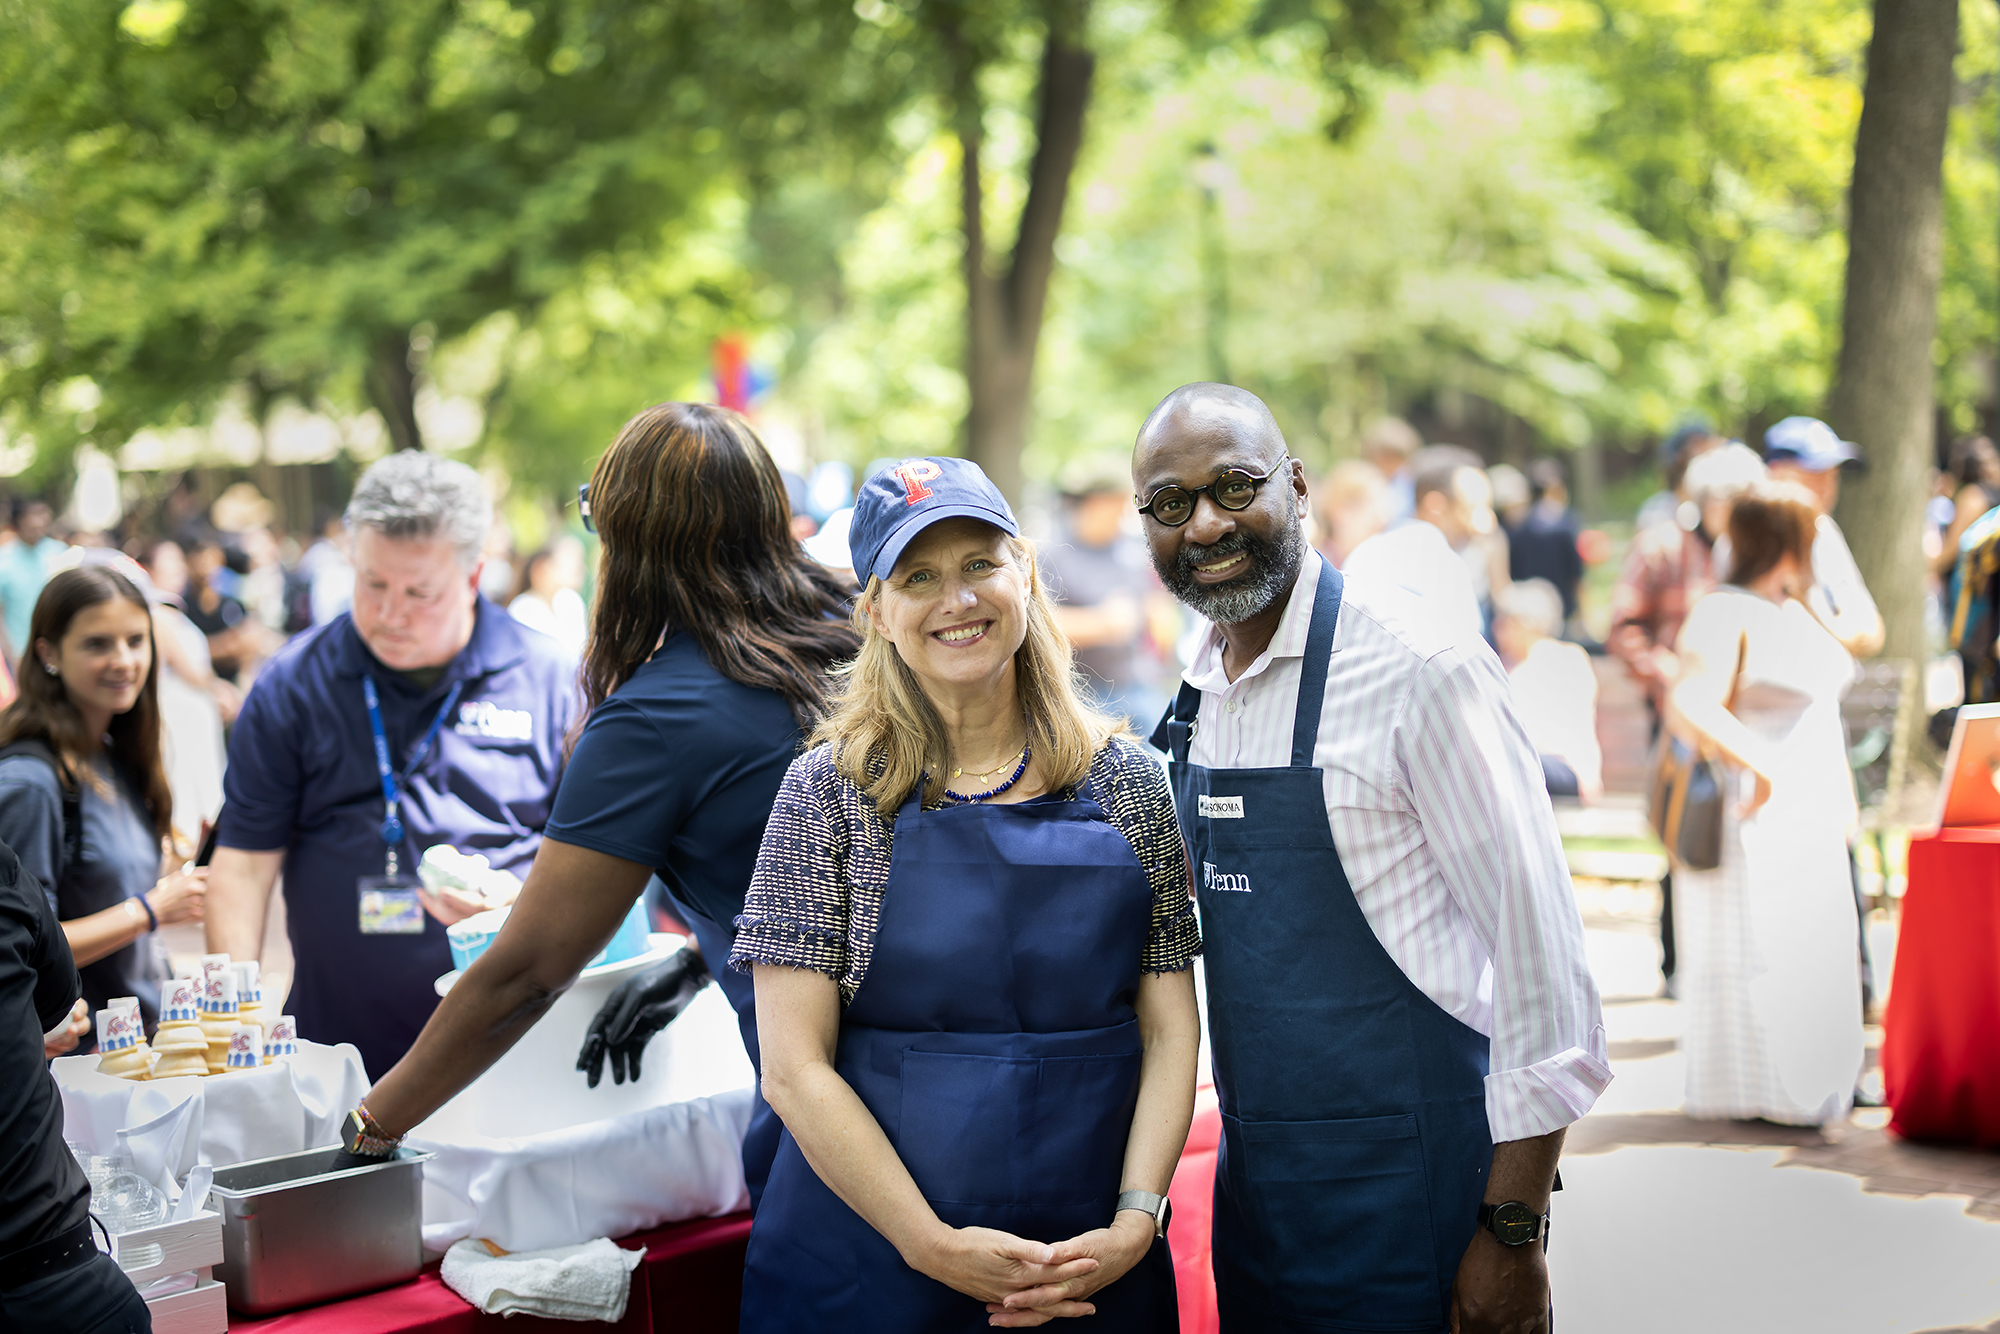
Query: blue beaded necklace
[974,798]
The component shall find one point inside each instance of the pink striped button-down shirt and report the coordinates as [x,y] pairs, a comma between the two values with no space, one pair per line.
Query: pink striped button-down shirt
[1443,823]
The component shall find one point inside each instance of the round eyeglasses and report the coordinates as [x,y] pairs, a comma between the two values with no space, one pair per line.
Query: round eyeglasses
[1233,489]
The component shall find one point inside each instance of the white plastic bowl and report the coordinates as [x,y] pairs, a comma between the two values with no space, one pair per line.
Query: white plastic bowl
[536,1086]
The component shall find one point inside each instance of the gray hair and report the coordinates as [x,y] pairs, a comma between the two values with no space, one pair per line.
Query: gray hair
[415,495]
[1723,474]
[1534,603]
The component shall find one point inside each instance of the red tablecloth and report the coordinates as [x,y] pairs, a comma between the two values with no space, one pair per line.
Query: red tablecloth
[692,1279]
[1941,1030]
[691,1283]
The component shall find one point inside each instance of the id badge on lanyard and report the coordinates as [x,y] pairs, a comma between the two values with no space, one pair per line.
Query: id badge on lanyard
[388,903]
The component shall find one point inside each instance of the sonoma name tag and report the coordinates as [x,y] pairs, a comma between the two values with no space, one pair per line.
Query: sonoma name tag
[1220,808]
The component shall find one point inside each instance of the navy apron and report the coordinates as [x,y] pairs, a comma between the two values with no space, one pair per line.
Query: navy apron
[994,1041]
[1354,1138]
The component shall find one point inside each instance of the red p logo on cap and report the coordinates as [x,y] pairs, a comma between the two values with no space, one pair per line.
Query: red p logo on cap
[913,475]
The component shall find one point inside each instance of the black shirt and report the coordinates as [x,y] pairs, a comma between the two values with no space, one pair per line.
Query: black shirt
[677,770]
[1544,547]
[42,1190]
[228,614]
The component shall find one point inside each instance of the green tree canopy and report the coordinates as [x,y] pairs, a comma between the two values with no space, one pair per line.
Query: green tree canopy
[197,194]
[1727,131]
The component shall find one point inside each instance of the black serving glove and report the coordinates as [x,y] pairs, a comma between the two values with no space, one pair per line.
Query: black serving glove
[642,1005]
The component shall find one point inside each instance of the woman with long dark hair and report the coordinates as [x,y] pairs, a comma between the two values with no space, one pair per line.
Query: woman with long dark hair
[84,801]
[708,657]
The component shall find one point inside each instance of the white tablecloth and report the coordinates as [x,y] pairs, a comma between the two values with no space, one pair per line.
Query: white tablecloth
[607,1178]
[169,1125]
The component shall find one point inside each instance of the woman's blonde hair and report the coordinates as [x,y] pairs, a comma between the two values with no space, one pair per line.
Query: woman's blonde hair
[886,736]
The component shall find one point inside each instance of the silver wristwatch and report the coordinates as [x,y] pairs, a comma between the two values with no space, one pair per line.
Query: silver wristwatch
[1158,1207]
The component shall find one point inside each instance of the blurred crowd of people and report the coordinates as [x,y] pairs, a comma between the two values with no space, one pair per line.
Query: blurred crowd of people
[1498,554]
[1741,612]
[229,586]
[1738,610]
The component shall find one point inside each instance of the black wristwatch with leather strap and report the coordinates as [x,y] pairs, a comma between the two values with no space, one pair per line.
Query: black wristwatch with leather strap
[1513,1223]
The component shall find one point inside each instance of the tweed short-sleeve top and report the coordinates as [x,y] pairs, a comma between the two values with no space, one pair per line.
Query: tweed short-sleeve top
[815,898]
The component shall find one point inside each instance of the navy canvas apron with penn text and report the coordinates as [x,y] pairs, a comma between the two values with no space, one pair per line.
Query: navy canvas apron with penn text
[1355,1144]
[993,1039]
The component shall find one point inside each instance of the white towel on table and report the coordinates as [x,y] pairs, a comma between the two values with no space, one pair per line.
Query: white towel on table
[606,1178]
[587,1282]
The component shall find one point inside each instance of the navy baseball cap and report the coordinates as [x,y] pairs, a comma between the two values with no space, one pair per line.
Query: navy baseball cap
[1809,443]
[905,498]
[1686,431]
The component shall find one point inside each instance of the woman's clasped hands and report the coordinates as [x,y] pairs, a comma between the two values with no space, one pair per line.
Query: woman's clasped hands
[1029,1283]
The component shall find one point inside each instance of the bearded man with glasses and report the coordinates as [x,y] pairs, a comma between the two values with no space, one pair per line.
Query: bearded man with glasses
[1402,1018]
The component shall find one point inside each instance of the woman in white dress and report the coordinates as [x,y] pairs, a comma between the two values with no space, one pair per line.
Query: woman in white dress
[1770,985]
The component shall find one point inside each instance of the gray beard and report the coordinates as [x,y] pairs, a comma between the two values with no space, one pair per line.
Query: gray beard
[1274,568]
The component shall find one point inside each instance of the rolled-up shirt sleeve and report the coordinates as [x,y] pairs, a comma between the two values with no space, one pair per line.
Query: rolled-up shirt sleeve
[1478,789]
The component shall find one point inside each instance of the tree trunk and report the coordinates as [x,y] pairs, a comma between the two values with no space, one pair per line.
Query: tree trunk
[392,389]
[1003,311]
[1883,393]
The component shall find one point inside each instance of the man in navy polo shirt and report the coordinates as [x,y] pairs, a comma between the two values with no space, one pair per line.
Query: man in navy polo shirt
[426,715]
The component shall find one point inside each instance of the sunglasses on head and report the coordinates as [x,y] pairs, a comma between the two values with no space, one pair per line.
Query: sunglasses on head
[1232,489]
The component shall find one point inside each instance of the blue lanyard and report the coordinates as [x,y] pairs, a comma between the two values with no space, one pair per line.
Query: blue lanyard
[392,826]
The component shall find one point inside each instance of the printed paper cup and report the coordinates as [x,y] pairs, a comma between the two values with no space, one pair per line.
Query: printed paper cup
[246,1047]
[117,1029]
[283,1039]
[468,939]
[219,992]
[180,1000]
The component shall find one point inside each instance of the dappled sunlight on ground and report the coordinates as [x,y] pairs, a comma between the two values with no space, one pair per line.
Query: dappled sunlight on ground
[1668,1224]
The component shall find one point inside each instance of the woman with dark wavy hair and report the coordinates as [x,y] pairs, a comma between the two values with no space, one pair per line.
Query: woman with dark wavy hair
[83,797]
[708,657]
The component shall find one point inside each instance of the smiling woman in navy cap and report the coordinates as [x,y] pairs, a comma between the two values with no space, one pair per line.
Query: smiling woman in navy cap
[971,936]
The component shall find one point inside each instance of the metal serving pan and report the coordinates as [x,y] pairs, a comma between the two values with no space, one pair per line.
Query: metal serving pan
[295,1232]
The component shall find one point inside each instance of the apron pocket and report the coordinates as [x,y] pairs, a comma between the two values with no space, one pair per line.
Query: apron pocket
[1000,1130]
[1336,1220]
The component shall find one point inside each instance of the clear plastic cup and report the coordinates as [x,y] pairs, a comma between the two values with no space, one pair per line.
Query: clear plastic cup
[127,1203]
